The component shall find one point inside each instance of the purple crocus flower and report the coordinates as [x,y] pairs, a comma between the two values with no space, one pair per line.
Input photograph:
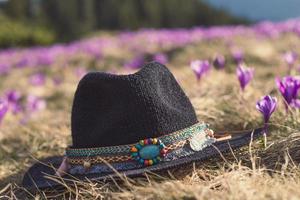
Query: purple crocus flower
[135,63]
[37,79]
[200,67]
[13,97]
[161,58]
[3,109]
[290,58]
[219,62]
[34,104]
[245,75]
[238,55]
[266,105]
[289,89]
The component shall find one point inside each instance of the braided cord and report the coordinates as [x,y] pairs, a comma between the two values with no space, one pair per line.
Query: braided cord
[169,139]
[120,158]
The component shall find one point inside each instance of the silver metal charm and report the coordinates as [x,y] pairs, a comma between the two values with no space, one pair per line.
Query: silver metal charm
[201,140]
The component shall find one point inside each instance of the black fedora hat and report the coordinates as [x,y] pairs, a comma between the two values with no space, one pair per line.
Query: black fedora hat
[132,124]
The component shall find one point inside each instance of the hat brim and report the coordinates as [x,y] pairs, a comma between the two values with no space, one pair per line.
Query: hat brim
[38,176]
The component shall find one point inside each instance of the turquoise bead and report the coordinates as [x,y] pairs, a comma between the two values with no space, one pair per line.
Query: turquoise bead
[138,146]
[148,152]
[137,158]
[134,154]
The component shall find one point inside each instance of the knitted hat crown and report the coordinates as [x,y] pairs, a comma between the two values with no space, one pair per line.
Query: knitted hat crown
[111,110]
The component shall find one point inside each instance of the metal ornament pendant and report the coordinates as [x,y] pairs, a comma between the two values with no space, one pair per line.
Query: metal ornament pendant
[197,141]
[201,140]
[86,165]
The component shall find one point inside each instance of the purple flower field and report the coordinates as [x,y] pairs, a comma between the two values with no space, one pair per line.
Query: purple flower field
[237,77]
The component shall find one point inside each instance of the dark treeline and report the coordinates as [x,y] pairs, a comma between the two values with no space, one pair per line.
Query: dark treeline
[73,18]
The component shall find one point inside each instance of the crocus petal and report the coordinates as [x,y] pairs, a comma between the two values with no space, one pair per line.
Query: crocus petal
[280,85]
[289,88]
[135,63]
[35,103]
[238,55]
[14,100]
[161,58]
[245,75]
[13,96]
[37,79]
[200,67]
[219,62]
[3,109]
[266,106]
[290,57]
[295,103]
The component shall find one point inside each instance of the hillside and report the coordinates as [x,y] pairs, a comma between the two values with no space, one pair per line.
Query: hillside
[41,82]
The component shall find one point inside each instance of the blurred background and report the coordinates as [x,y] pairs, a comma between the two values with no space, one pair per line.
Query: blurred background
[225,54]
[43,22]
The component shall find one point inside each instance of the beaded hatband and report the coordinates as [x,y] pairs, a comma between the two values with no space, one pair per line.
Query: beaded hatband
[121,158]
[146,152]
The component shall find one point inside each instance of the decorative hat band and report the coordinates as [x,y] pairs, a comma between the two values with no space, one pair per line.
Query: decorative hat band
[146,152]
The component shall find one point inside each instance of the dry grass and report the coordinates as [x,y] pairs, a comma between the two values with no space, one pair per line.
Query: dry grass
[252,173]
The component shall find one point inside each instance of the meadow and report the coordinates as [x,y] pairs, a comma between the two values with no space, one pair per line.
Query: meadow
[37,85]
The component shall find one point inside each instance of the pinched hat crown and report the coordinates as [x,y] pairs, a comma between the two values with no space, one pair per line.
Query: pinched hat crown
[113,110]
